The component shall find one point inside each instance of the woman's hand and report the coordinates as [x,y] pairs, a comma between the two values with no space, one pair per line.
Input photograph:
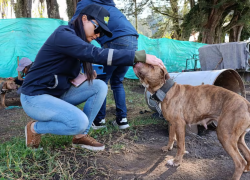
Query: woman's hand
[151,59]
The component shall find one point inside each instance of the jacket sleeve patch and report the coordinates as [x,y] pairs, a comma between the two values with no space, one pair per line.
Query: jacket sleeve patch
[110,57]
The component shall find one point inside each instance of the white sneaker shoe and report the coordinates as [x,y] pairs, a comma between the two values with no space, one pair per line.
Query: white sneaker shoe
[99,125]
[121,123]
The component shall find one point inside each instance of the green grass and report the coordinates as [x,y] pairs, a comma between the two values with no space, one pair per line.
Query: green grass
[19,162]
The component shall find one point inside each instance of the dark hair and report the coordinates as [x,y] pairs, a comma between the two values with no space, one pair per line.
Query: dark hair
[78,26]
[28,68]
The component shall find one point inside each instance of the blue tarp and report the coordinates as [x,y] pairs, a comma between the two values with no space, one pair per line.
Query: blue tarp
[23,37]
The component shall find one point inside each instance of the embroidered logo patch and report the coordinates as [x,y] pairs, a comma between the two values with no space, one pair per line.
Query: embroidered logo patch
[106,19]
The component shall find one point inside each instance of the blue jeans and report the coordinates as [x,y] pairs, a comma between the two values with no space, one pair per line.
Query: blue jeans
[60,115]
[116,76]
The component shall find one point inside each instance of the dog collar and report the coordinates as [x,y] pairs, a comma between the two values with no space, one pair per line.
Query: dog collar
[160,94]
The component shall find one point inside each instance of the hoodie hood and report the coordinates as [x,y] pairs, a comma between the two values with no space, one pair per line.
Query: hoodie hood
[105,2]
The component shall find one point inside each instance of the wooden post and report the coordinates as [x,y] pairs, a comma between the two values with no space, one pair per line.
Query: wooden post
[19,75]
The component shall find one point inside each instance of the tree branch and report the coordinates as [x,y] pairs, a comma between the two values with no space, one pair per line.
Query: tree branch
[165,13]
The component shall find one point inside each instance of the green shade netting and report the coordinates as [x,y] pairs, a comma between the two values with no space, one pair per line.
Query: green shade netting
[23,37]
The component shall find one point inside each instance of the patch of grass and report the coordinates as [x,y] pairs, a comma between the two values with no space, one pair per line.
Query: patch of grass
[138,121]
[80,106]
[17,161]
[118,146]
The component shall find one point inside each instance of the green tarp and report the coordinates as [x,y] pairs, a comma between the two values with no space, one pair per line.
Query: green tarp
[172,52]
[23,37]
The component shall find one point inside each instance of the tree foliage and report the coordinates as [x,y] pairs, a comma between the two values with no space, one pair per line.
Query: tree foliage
[174,14]
[3,7]
[217,17]
[134,8]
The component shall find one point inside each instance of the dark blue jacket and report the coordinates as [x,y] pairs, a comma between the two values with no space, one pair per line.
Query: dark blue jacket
[58,62]
[118,23]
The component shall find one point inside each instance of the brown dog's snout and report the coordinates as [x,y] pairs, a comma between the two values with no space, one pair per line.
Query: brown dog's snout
[137,67]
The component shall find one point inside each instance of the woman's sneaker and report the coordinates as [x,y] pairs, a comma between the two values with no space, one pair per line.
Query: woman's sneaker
[98,124]
[32,139]
[87,142]
[122,123]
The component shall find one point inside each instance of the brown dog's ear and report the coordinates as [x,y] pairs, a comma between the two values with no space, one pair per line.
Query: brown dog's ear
[4,85]
[166,75]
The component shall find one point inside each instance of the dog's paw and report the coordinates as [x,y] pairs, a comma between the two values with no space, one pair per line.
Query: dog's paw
[172,162]
[247,169]
[166,148]
[2,107]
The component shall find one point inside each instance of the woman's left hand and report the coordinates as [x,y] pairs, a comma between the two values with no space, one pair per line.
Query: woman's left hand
[151,59]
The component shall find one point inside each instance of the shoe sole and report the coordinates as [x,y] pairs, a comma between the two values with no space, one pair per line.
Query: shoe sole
[89,147]
[26,135]
[98,127]
[35,149]
[121,126]
[124,126]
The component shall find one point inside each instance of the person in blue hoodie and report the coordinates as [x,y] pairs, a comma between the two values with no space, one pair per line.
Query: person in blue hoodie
[124,37]
[48,95]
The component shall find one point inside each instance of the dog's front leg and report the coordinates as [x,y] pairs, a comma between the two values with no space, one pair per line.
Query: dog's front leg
[180,134]
[171,139]
[3,100]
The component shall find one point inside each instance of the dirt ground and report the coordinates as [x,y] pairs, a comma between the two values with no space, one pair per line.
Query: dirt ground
[140,157]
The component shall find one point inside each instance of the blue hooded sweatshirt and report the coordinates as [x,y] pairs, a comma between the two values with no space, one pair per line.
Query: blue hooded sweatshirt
[118,23]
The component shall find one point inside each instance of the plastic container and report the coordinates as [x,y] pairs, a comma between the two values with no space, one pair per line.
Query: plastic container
[98,68]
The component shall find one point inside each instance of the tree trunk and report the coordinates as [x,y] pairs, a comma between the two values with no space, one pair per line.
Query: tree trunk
[71,7]
[135,15]
[209,29]
[176,25]
[192,3]
[213,21]
[23,8]
[52,9]
[235,32]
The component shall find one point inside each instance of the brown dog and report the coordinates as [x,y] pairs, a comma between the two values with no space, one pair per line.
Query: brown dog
[184,105]
[6,85]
